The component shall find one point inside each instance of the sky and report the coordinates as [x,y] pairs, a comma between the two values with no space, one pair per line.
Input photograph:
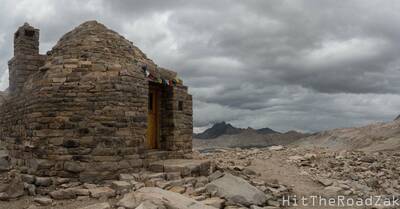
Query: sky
[285,64]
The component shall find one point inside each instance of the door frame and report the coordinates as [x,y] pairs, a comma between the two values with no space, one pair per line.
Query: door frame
[153,88]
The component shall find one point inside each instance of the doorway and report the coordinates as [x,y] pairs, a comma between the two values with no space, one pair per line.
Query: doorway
[153,118]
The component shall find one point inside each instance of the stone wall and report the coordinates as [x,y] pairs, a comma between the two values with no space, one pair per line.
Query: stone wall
[83,112]
[81,120]
[176,123]
[26,59]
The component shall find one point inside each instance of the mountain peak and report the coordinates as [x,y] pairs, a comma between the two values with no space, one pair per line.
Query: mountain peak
[218,129]
[223,128]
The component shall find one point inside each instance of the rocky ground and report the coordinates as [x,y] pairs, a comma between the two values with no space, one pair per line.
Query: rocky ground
[226,178]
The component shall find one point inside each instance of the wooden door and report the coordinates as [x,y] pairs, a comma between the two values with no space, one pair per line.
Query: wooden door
[152,119]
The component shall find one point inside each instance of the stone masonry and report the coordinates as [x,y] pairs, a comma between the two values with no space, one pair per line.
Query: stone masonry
[80,111]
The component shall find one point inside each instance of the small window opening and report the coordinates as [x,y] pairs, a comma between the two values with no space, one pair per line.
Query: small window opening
[16,35]
[150,102]
[29,33]
[180,105]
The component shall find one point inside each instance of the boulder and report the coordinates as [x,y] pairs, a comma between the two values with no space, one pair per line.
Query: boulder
[217,174]
[236,190]
[178,189]
[160,198]
[325,182]
[63,194]
[121,186]
[103,205]
[149,205]
[43,200]
[99,192]
[214,202]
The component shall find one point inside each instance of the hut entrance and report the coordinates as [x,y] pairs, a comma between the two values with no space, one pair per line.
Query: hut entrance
[153,118]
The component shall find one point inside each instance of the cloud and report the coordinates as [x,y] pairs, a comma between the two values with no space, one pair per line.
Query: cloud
[304,65]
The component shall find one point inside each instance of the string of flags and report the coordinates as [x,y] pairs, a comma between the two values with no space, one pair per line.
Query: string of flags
[162,80]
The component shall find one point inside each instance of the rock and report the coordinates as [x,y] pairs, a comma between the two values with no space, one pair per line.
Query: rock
[368,159]
[89,186]
[163,184]
[31,188]
[215,175]
[178,189]
[249,171]
[185,167]
[62,194]
[199,191]
[237,168]
[4,196]
[32,207]
[310,156]
[74,167]
[155,176]
[102,192]
[296,158]
[173,176]
[202,179]
[126,177]
[160,197]
[236,190]
[79,191]
[332,191]
[149,205]
[121,186]
[214,202]
[12,190]
[30,179]
[325,182]
[43,181]
[59,180]
[5,161]
[257,182]
[273,203]
[276,148]
[103,205]
[43,200]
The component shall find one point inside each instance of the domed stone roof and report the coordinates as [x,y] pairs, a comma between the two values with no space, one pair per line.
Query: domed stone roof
[94,41]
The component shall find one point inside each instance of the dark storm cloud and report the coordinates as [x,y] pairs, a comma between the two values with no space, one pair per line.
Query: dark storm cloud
[306,65]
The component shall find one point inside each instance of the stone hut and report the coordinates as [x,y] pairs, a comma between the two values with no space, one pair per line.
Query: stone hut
[94,106]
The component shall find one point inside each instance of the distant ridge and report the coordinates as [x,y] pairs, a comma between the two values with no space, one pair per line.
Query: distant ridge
[397,118]
[266,131]
[223,128]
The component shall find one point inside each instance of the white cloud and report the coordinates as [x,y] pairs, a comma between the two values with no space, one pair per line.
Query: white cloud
[34,11]
[344,51]
[284,64]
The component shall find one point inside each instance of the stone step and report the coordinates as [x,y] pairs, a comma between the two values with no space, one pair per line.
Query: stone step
[187,167]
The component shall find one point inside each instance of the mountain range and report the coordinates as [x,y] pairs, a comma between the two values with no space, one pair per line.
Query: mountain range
[226,135]
[223,128]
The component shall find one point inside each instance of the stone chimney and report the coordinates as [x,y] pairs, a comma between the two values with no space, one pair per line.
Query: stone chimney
[26,58]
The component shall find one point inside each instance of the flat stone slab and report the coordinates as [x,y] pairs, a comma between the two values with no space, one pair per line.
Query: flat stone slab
[187,167]
[160,198]
[236,190]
